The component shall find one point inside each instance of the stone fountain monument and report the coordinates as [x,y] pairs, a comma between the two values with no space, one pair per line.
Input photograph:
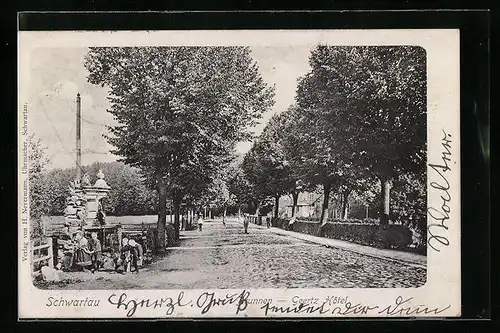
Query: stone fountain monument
[84,210]
[93,196]
[84,207]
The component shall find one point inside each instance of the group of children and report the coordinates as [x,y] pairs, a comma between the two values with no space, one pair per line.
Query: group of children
[130,257]
[79,253]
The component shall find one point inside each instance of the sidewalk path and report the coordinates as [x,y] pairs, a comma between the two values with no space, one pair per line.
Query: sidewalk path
[416,260]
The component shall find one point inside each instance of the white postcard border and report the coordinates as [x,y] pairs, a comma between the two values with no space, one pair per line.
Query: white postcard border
[442,290]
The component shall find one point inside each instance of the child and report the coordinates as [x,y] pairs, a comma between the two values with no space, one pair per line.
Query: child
[125,255]
[122,257]
[200,222]
[108,264]
[140,252]
[96,248]
[66,233]
[134,254]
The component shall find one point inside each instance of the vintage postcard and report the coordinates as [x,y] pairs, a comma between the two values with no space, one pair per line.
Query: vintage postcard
[232,174]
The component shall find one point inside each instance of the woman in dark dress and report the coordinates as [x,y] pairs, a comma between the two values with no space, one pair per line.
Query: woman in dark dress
[83,257]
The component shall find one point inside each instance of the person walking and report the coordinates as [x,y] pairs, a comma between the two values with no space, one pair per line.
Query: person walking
[200,222]
[245,221]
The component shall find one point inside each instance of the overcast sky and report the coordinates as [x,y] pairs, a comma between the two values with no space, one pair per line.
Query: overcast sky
[57,75]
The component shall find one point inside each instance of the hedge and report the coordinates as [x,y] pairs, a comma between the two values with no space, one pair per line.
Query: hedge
[387,237]
[280,223]
[337,220]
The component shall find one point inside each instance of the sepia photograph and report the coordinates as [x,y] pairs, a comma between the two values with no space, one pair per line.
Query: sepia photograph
[230,167]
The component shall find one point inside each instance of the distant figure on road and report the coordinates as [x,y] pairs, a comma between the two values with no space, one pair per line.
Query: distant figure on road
[200,222]
[245,221]
[183,222]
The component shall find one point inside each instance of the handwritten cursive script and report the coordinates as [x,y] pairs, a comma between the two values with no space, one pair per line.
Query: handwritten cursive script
[131,305]
[400,307]
[207,300]
[441,215]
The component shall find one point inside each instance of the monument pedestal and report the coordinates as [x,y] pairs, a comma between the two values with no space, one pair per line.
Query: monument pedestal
[84,203]
[93,195]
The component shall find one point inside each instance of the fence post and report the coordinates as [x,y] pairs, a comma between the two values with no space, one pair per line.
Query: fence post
[119,234]
[50,252]
[55,247]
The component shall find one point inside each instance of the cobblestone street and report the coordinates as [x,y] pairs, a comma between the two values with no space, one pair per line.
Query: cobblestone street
[225,257]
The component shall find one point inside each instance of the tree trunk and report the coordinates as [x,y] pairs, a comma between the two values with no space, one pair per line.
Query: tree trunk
[170,213]
[340,210]
[257,210]
[177,208]
[324,209]
[385,201]
[184,218]
[295,197]
[276,205]
[224,213]
[239,211]
[162,214]
[345,197]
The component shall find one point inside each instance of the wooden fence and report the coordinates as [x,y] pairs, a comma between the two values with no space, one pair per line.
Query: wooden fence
[38,256]
[136,228]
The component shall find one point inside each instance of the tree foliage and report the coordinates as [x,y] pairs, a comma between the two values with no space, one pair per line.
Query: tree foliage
[367,107]
[359,122]
[240,190]
[377,98]
[178,104]
[38,203]
[128,195]
[180,111]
